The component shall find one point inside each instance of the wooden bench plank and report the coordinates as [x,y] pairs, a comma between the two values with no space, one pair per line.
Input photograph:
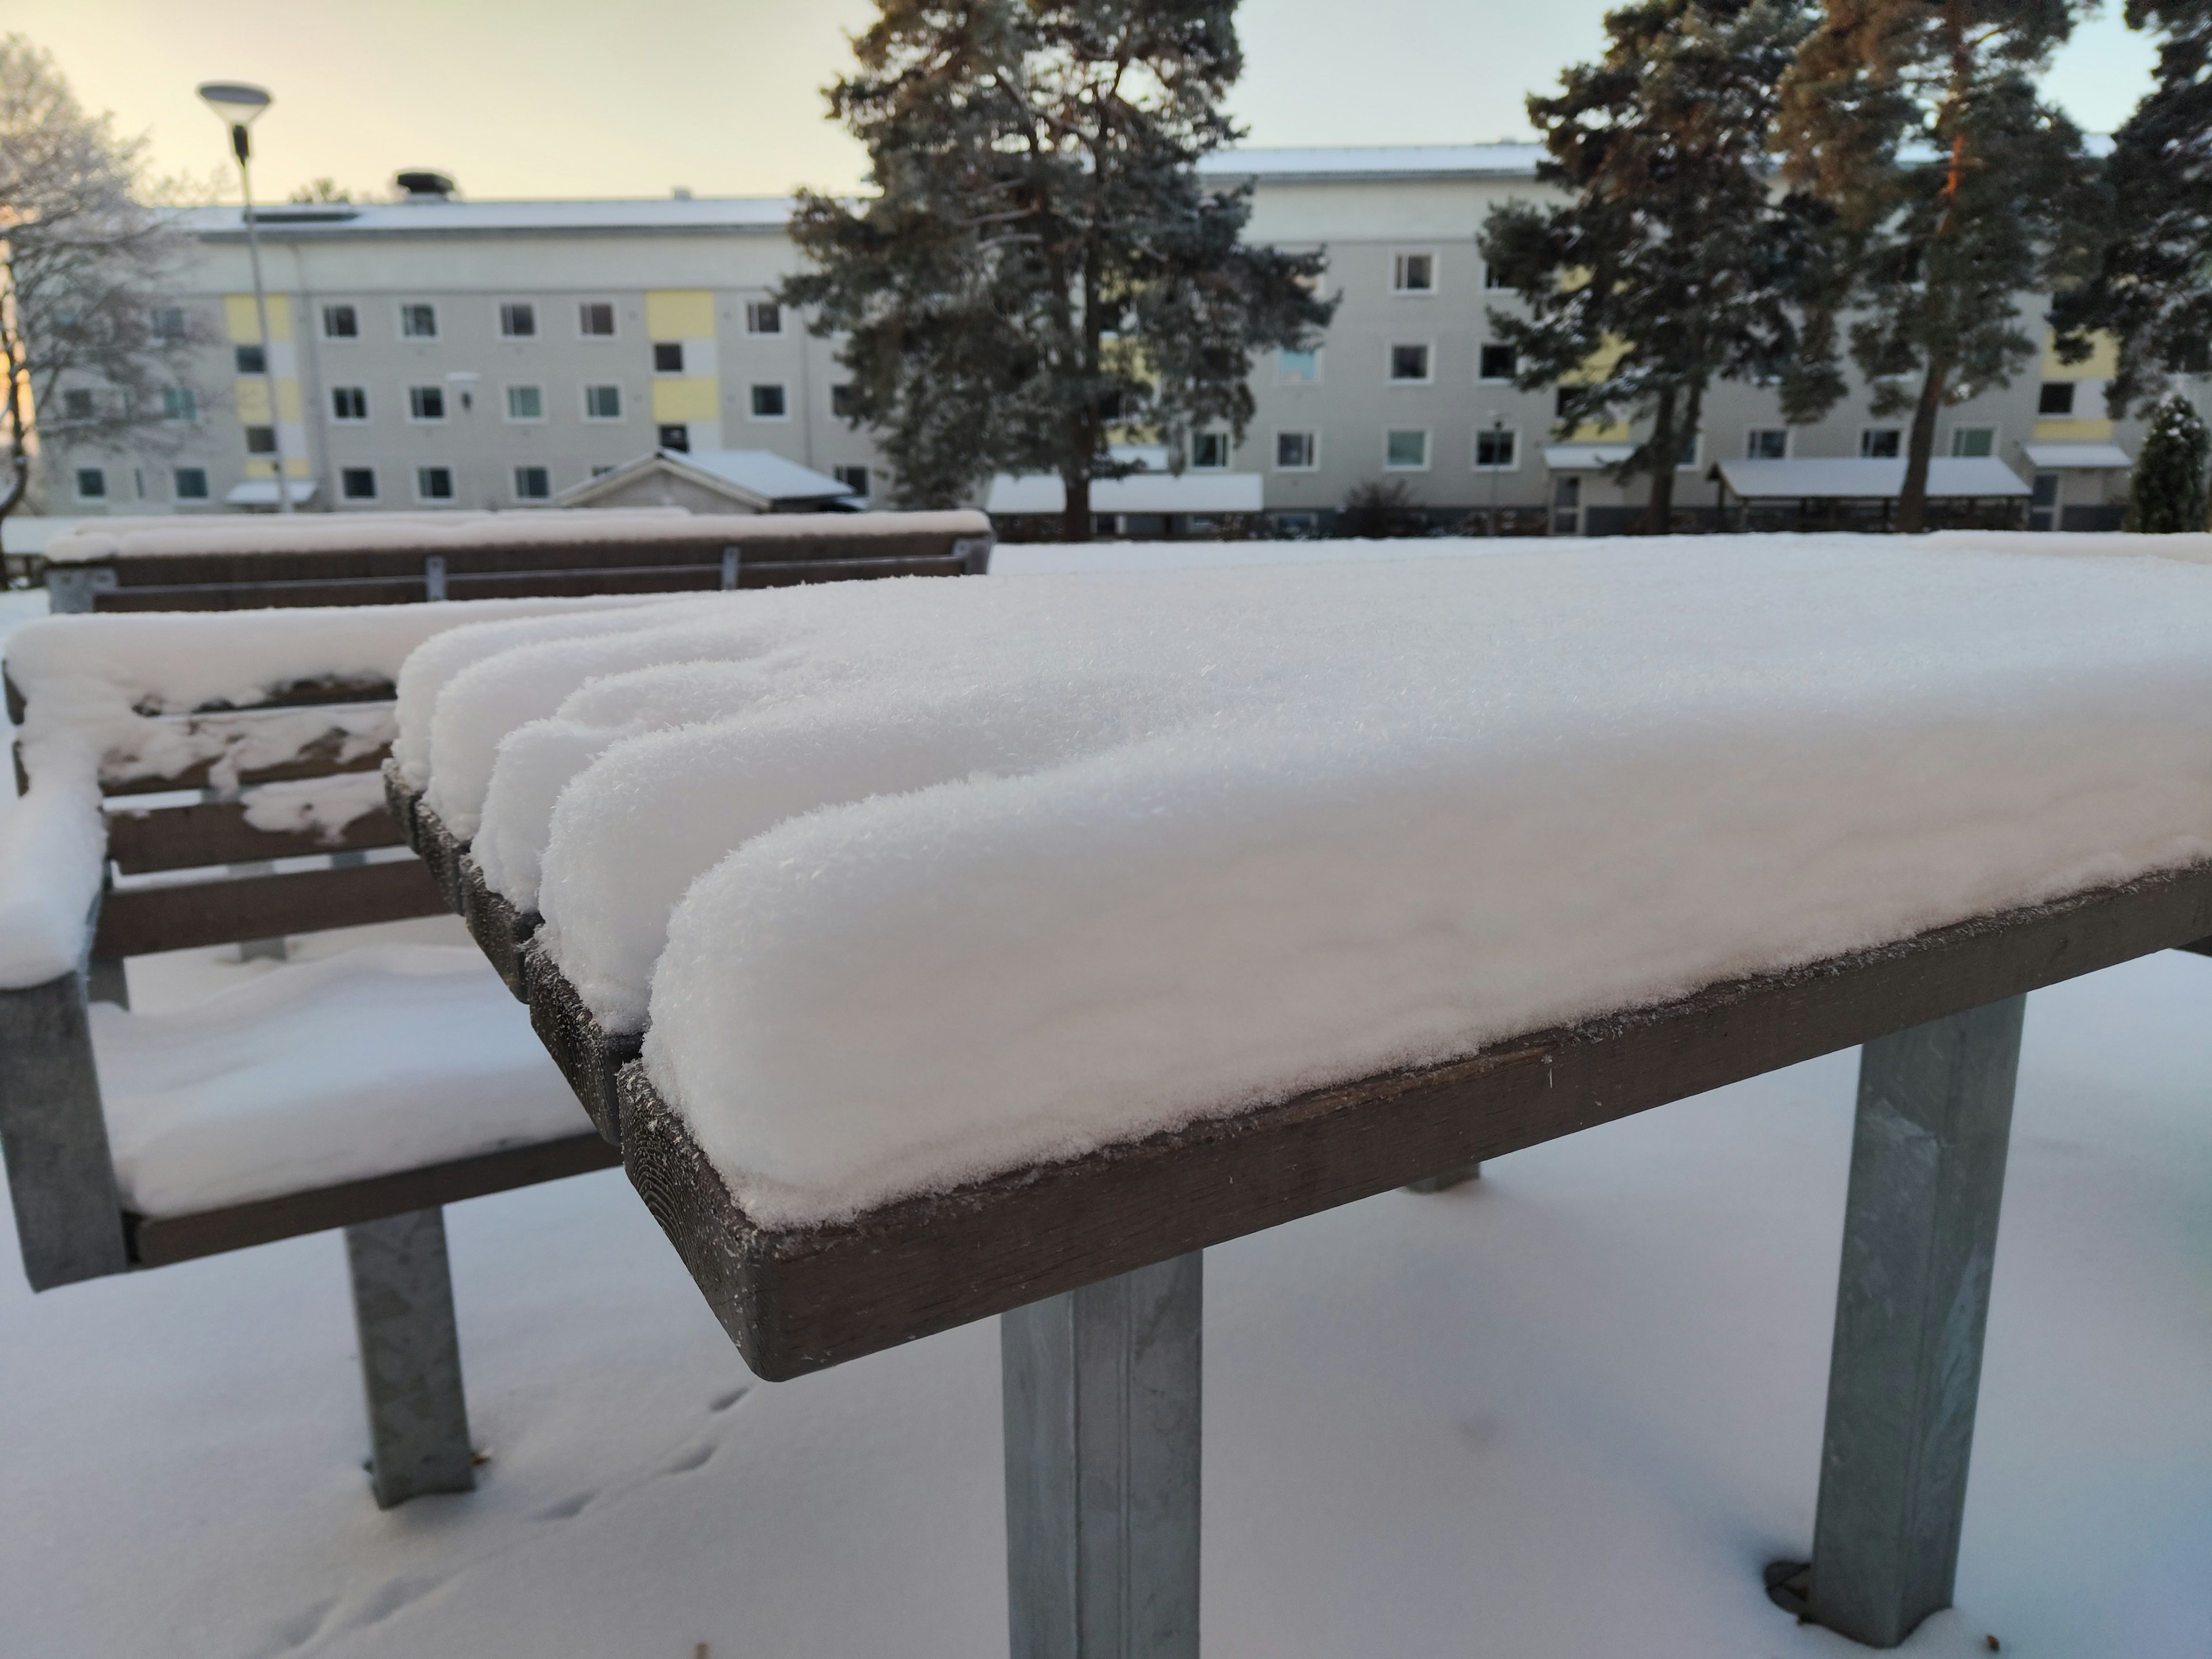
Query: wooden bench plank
[319,759]
[156,1242]
[500,930]
[216,832]
[590,1058]
[797,1300]
[138,922]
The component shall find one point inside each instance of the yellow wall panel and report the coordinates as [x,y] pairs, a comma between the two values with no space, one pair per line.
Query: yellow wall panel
[2102,363]
[250,398]
[260,466]
[677,314]
[2083,431]
[692,397]
[245,327]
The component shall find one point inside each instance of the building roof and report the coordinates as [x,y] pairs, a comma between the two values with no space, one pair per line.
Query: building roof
[331,220]
[262,492]
[758,478]
[1840,478]
[2100,457]
[1140,492]
[1349,162]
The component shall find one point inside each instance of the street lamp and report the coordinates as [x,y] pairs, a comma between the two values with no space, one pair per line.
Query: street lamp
[236,104]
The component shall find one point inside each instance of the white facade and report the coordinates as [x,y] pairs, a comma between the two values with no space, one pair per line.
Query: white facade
[438,353]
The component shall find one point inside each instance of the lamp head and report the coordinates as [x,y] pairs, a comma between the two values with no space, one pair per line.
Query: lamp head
[235,103]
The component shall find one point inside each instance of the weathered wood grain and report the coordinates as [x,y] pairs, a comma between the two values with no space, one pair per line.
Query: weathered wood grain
[137,921]
[216,832]
[795,1301]
[500,930]
[323,758]
[590,1058]
[400,801]
[440,853]
[157,1241]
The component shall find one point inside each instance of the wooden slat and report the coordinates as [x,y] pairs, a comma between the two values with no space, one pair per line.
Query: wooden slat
[796,1301]
[315,693]
[400,801]
[441,853]
[2202,947]
[140,920]
[499,929]
[590,1057]
[156,1242]
[216,832]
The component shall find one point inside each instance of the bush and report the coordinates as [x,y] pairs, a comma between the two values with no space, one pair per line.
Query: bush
[1380,511]
[2167,492]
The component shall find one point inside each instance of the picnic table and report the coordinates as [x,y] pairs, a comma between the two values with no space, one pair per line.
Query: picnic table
[1023,1030]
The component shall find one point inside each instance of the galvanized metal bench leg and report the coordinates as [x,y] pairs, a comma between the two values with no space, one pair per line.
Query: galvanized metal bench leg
[61,1174]
[1101,1426]
[411,1358]
[1920,1231]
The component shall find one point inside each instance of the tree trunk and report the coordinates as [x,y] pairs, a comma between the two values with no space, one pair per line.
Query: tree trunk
[1913,499]
[1075,514]
[1659,516]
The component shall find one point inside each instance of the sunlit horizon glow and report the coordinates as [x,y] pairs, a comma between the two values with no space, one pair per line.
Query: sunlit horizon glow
[725,98]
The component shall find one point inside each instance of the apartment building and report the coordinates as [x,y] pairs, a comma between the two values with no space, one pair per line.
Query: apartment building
[437,352]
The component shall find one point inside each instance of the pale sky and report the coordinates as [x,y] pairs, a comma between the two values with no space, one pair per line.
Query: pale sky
[580,98]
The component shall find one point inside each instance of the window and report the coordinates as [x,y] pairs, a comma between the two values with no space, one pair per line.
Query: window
[358,483]
[1497,362]
[603,403]
[1209,451]
[668,356]
[1688,457]
[2057,397]
[1881,443]
[1409,363]
[532,483]
[595,319]
[1766,443]
[525,402]
[341,323]
[1297,452]
[1414,273]
[418,322]
[434,483]
[261,441]
[168,324]
[91,484]
[426,403]
[1298,368]
[841,402]
[1493,279]
[518,320]
[768,403]
[180,404]
[1496,451]
[348,403]
[1969,442]
[191,483]
[676,436]
[76,405]
[1406,451]
[854,478]
[250,359]
[763,317]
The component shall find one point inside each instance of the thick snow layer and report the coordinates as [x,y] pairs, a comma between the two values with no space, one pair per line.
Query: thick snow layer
[383,1059]
[321,806]
[1567,1413]
[1510,791]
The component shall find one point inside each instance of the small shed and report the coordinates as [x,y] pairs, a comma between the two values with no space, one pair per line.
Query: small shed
[714,481]
[1847,492]
[2078,486]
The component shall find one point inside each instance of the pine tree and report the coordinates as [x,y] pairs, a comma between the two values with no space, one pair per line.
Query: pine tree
[2149,286]
[1916,121]
[2167,494]
[1041,270]
[1674,264]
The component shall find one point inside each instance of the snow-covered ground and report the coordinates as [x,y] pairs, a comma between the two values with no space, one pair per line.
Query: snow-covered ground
[1569,1411]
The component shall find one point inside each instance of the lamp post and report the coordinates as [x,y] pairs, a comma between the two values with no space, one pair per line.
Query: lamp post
[235,104]
[1497,461]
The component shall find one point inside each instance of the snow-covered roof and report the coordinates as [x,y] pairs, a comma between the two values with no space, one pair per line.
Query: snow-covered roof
[262,492]
[2097,456]
[434,218]
[1140,492]
[1368,161]
[758,477]
[1584,457]
[1849,478]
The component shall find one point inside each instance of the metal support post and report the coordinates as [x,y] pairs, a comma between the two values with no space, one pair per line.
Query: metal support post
[1101,1390]
[1920,1230]
[411,1358]
[61,1174]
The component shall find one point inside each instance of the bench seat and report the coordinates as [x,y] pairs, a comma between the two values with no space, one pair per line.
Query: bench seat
[385,1058]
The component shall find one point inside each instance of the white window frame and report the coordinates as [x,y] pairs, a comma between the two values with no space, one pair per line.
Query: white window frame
[1398,287]
[505,306]
[753,310]
[1482,379]
[360,419]
[406,305]
[753,410]
[439,419]
[375,484]
[614,316]
[514,480]
[2072,403]
[1788,442]
[1228,450]
[621,404]
[1390,362]
[507,404]
[1313,449]
[1428,448]
[1866,452]
[176,490]
[1474,451]
[352,339]
[1957,432]
[453,485]
[1321,367]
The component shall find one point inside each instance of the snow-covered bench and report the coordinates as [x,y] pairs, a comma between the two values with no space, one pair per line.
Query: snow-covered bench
[995,950]
[188,782]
